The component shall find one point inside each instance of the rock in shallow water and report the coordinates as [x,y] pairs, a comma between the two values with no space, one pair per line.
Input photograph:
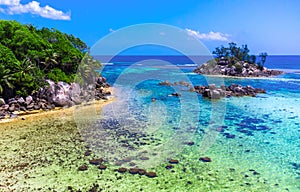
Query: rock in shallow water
[102,167]
[133,170]
[151,174]
[212,92]
[96,161]
[121,170]
[83,168]
[169,166]
[173,161]
[205,159]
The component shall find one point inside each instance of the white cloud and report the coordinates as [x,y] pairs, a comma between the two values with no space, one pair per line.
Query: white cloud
[213,36]
[111,30]
[9,2]
[33,7]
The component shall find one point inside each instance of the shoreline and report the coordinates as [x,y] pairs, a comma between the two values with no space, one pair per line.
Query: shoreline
[288,70]
[29,115]
[237,77]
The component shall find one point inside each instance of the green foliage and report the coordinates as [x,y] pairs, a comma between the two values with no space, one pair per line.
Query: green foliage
[238,67]
[87,69]
[263,57]
[7,62]
[7,57]
[57,74]
[28,55]
[252,59]
[234,54]
[260,66]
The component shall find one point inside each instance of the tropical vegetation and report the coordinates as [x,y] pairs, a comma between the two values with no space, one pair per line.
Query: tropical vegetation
[234,54]
[29,55]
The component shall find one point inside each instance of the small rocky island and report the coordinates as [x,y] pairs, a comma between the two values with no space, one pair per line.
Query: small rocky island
[235,61]
[213,92]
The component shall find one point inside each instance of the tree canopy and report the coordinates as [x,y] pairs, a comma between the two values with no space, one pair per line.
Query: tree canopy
[28,55]
[233,53]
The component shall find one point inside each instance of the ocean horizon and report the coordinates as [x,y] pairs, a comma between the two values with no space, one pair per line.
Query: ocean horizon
[284,62]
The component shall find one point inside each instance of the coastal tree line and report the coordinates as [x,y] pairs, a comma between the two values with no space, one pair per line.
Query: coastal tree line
[233,54]
[29,55]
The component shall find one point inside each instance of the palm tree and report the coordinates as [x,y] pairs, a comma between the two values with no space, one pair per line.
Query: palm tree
[22,69]
[87,70]
[263,57]
[50,61]
[6,79]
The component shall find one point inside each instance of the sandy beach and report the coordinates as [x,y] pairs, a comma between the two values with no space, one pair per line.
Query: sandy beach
[30,116]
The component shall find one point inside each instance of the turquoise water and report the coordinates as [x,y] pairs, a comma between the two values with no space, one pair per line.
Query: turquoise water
[253,142]
[240,134]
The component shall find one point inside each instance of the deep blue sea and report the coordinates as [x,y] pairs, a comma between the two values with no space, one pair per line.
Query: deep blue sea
[254,142]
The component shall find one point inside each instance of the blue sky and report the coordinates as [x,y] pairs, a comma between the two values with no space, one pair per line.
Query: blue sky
[271,26]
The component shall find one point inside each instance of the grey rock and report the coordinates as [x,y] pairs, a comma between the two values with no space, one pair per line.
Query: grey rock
[13,116]
[75,89]
[176,94]
[11,108]
[215,94]
[212,86]
[21,101]
[5,107]
[2,102]
[165,83]
[61,101]
[206,93]
[12,101]
[223,87]
[22,108]
[36,107]
[28,100]
[49,107]
[30,106]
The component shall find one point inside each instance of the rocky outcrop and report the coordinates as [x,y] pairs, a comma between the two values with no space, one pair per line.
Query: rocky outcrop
[239,69]
[213,92]
[53,95]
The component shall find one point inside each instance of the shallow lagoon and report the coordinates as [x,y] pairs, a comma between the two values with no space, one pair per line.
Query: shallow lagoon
[253,142]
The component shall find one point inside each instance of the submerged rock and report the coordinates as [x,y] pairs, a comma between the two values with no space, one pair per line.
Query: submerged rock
[151,174]
[169,166]
[102,167]
[88,153]
[173,161]
[165,83]
[205,159]
[121,170]
[83,168]
[134,170]
[190,143]
[142,172]
[96,161]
